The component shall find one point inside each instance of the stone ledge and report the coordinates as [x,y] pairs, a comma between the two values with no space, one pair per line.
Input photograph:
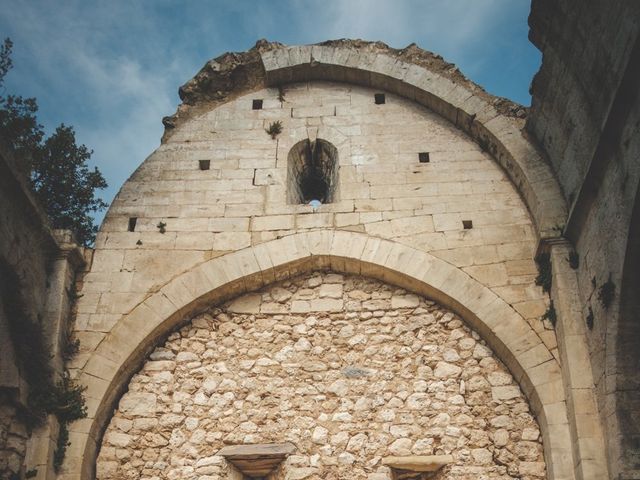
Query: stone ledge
[257,460]
[405,467]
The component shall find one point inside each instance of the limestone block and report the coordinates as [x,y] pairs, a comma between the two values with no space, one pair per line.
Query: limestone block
[405,301]
[326,305]
[491,275]
[101,367]
[139,404]
[231,240]
[305,112]
[242,210]
[505,392]
[246,304]
[269,176]
[314,220]
[535,469]
[229,224]
[273,222]
[107,261]
[299,54]
[194,241]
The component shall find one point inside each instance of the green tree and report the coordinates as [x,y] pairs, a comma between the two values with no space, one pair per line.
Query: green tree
[18,124]
[57,166]
[65,185]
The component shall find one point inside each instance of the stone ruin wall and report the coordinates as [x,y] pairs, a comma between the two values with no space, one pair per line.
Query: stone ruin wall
[384,191]
[241,201]
[31,252]
[13,438]
[346,368]
[585,114]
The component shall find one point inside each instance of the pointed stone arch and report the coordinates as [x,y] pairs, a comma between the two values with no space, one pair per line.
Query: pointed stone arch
[122,351]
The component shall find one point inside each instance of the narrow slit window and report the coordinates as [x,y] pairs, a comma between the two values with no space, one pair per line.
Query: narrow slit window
[467,224]
[257,104]
[132,224]
[423,157]
[379,98]
[312,173]
[204,164]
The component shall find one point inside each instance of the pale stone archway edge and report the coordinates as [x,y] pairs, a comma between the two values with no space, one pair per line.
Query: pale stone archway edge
[462,103]
[120,354]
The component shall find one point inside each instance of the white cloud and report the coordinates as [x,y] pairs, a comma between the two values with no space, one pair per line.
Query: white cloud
[453,23]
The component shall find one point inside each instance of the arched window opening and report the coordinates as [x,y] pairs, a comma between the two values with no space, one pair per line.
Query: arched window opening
[312,173]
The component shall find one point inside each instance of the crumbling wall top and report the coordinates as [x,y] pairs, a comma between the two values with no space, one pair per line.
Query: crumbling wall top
[235,73]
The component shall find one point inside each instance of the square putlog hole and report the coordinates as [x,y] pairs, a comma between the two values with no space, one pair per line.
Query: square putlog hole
[423,157]
[204,164]
[257,104]
[467,224]
[379,98]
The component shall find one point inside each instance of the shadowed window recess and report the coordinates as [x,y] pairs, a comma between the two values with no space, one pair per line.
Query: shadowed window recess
[312,172]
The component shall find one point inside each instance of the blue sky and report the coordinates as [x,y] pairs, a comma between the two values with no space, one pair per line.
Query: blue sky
[112,68]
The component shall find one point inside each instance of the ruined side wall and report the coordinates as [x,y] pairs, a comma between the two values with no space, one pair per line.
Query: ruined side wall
[25,250]
[586,52]
[348,369]
[585,113]
[37,275]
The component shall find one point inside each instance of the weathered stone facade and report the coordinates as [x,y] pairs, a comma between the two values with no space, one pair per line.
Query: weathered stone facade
[347,369]
[437,201]
[242,200]
[587,121]
[420,202]
[402,316]
[13,438]
[37,272]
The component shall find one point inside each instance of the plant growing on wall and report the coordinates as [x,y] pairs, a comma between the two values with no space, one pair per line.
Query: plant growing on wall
[590,319]
[606,293]
[46,396]
[574,259]
[550,314]
[275,129]
[543,261]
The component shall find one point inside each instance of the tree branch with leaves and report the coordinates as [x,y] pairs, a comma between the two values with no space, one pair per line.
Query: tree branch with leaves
[56,165]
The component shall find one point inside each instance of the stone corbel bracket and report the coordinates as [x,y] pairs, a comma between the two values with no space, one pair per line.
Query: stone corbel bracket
[416,466]
[258,460]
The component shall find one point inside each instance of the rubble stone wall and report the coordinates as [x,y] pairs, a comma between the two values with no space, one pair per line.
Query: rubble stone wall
[346,368]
